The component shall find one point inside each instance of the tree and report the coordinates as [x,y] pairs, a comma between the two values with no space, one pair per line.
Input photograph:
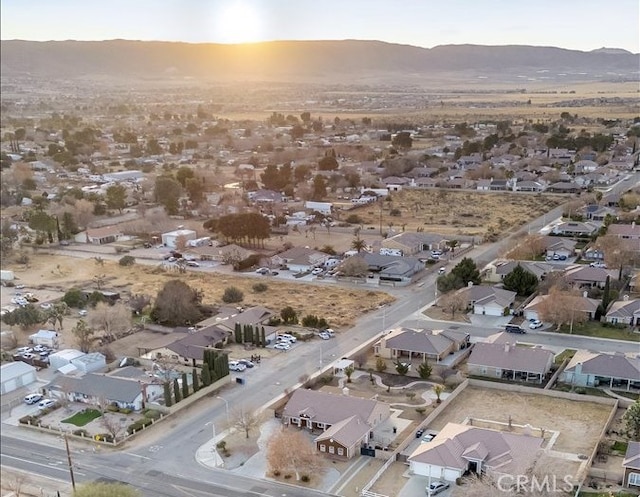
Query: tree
[25,317]
[381,365]
[402,368]
[112,424]
[467,271]
[83,210]
[84,335]
[167,193]
[116,197]
[631,420]
[194,380]
[176,391]
[319,189]
[99,489]
[348,371]
[56,313]
[113,320]
[183,174]
[245,420]
[127,260]
[138,302]
[438,389]
[177,304]
[521,281]
[68,226]
[290,451]
[402,140]
[232,295]
[74,298]
[358,244]
[354,267]
[562,307]
[185,386]
[167,394]
[289,315]
[195,190]
[424,370]
[452,302]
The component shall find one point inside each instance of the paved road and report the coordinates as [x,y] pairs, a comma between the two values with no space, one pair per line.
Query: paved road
[166,466]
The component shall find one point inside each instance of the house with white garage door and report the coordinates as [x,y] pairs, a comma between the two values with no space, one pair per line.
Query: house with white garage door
[459,449]
[14,375]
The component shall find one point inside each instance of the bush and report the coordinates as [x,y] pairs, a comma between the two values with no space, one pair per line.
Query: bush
[81,433]
[232,295]
[305,478]
[395,213]
[274,321]
[260,287]
[310,321]
[104,437]
[127,260]
[152,414]
[25,420]
[74,298]
[112,408]
[354,219]
[276,472]
[125,411]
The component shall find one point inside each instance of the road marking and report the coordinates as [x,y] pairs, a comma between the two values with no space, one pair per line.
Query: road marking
[137,455]
[49,466]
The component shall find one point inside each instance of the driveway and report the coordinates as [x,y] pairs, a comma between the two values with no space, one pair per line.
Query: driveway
[485,321]
[416,487]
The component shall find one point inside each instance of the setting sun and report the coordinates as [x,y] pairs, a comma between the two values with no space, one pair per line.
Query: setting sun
[238,23]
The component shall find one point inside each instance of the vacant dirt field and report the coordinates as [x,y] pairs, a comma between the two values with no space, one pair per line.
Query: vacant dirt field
[457,212]
[340,306]
[579,423]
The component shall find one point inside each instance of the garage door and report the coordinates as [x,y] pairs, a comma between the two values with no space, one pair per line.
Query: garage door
[9,385]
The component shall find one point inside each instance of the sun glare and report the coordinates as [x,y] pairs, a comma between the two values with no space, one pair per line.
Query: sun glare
[238,22]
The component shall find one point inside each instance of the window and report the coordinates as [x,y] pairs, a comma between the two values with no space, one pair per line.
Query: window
[340,451]
[498,373]
[331,449]
[634,479]
[323,448]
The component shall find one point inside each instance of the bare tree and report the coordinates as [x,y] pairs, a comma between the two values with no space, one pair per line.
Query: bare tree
[112,424]
[562,307]
[453,302]
[245,419]
[100,279]
[84,335]
[113,320]
[138,302]
[354,266]
[618,252]
[83,210]
[292,451]
[528,248]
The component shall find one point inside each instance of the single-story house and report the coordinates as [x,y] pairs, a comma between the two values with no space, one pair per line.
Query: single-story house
[508,361]
[586,276]
[581,304]
[299,259]
[423,344]
[87,363]
[14,375]
[575,228]
[624,312]
[256,316]
[564,187]
[411,243]
[99,236]
[189,349]
[559,246]
[393,269]
[93,388]
[47,338]
[631,466]
[592,369]
[625,231]
[346,422]
[458,449]
[496,271]
[489,300]
[172,239]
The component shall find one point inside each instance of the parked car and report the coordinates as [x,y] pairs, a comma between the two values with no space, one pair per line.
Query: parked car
[236,366]
[436,487]
[24,350]
[262,270]
[82,312]
[46,403]
[324,336]
[288,337]
[317,271]
[32,398]
[419,432]
[246,362]
[513,328]
[45,305]
[282,346]
[193,264]
[535,324]
[441,270]
[428,437]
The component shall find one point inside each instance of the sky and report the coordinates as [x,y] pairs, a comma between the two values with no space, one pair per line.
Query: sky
[573,24]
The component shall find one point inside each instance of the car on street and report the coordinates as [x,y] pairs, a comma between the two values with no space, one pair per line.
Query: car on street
[32,398]
[19,287]
[441,270]
[514,328]
[46,403]
[436,487]
[419,432]
[236,366]
[535,324]
[282,346]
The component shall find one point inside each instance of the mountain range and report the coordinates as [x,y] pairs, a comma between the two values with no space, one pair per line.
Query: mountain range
[345,61]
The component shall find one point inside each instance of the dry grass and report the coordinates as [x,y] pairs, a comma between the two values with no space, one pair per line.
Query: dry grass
[458,212]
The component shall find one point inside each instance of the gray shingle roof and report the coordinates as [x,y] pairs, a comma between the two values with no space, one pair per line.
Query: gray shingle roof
[98,385]
[327,408]
[508,356]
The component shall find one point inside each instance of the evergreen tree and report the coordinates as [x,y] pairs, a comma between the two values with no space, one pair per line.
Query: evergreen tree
[185,386]
[206,376]
[167,394]
[521,281]
[264,338]
[196,385]
[176,391]
[606,295]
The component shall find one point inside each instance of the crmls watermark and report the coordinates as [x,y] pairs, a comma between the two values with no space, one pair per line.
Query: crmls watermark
[524,484]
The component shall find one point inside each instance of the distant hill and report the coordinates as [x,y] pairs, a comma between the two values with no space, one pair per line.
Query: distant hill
[348,61]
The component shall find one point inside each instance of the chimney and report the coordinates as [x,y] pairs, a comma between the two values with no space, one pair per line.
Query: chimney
[585,294]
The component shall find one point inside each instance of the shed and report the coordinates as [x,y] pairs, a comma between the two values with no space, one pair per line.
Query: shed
[90,362]
[47,338]
[63,357]
[14,375]
[341,365]
[170,239]
[7,275]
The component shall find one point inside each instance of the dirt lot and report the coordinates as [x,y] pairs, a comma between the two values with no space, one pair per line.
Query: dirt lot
[579,423]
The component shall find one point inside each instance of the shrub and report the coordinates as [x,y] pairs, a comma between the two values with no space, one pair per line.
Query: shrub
[395,212]
[276,472]
[286,477]
[305,478]
[232,295]
[127,260]
[274,321]
[581,391]
[104,437]
[260,287]
[25,420]
[310,321]
[74,298]
[81,433]
[353,219]
[112,408]
[152,414]
[125,411]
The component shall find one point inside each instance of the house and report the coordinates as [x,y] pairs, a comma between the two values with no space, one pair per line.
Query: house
[624,312]
[508,361]
[580,304]
[631,466]
[625,231]
[226,254]
[559,246]
[411,243]
[63,358]
[323,208]
[96,389]
[189,349]
[458,449]
[496,271]
[393,269]
[586,276]
[349,420]
[173,239]
[591,369]
[564,187]
[265,197]
[47,338]
[99,236]
[422,344]
[256,316]
[529,186]
[575,228]
[299,259]
[88,363]
[14,375]
[489,300]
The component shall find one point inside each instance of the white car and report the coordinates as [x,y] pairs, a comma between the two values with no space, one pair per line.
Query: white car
[287,337]
[193,264]
[82,312]
[282,346]
[324,336]
[262,270]
[535,324]
[46,305]
[46,403]
[236,366]
[32,398]
[436,487]
[317,271]
[24,350]
[441,270]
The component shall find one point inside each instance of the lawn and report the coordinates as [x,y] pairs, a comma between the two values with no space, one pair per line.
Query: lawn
[596,329]
[83,417]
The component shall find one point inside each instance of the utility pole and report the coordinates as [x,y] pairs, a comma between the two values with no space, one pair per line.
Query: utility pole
[73,480]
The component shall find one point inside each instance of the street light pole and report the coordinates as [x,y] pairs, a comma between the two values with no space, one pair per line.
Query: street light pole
[226,407]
